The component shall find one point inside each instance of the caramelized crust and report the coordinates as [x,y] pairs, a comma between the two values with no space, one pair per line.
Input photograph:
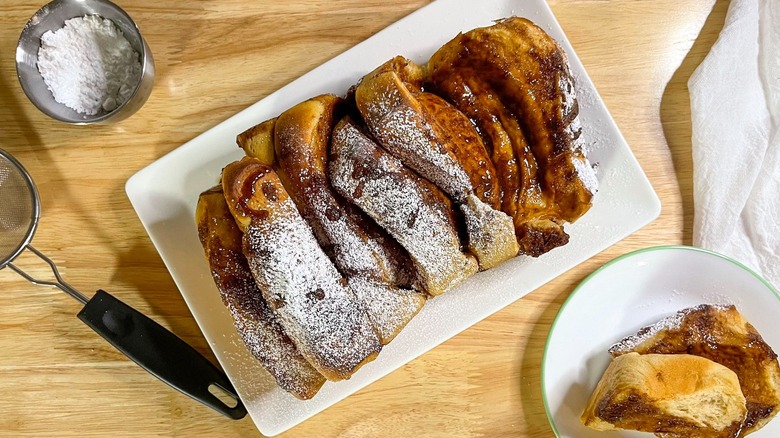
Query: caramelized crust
[255,322]
[425,132]
[435,139]
[721,334]
[458,134]
[512,80]
[315,306]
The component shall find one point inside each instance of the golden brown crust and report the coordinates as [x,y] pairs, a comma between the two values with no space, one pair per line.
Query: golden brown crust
[512,80]
[254,320]
[721,334]
[436,140]
[456,131]
[257,141]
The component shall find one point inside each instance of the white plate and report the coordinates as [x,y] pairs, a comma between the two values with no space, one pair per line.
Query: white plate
[629,293]
[164,195]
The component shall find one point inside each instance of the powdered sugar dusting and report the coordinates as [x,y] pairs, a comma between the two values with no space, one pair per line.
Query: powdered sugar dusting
[389,308]
[355,253]
[584,170]
[266,340]
[308,294]
[404,133]
[586,174]
[255,322]
[371,263]
[646,333]
[572,130]
[491,233]
[396,199]
[566,88]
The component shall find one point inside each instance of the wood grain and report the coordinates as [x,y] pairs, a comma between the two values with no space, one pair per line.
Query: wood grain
[216,57]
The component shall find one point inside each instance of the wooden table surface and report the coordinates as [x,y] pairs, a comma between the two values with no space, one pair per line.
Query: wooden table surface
[216,57]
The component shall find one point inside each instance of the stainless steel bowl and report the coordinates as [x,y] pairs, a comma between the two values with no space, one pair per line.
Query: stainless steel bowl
[53,17]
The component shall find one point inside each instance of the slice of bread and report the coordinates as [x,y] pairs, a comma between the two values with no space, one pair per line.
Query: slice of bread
[433,138]
[412,210]
[667,394]
[256,323]
[356,245]
[377,267]
[513,81]
[719,333]
[301,285]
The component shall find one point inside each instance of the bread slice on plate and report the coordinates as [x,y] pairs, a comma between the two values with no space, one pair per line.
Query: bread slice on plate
[356,244]
[719,333]
[668,394]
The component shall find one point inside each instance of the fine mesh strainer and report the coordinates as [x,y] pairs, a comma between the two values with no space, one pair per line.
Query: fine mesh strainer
[144,341]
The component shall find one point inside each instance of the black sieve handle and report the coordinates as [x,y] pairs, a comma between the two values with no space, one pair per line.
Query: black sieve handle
[159,351]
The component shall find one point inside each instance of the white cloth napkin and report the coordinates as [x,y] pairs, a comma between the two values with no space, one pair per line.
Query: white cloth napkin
[735,111]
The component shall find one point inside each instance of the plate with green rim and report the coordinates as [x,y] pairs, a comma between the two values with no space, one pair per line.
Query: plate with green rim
[631,292]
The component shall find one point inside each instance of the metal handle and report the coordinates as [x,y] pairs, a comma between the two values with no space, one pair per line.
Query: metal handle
[60,283]
[159,351]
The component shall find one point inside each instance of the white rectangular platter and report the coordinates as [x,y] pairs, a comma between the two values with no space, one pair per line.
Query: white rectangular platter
[165,193]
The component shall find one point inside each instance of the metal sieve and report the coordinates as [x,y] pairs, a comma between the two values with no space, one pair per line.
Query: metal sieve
[19,209]
[147,343]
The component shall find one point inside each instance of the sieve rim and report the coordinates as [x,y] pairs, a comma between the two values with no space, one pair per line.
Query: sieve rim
[36,210]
